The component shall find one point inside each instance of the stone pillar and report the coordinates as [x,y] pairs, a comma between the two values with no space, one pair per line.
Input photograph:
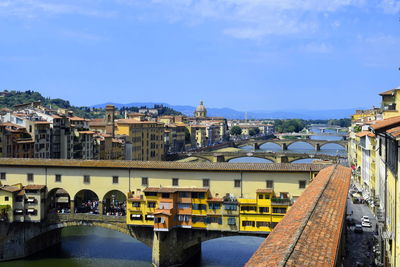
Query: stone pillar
[175,247]
[256,146]
[72,206]
[284,146]
[100,207]
[282,159]
[219,158]
[317,147]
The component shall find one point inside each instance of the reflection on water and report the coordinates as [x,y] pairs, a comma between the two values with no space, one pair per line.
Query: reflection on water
[98,247]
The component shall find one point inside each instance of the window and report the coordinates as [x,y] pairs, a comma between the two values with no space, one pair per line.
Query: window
[150,217]
[302,184]
[165,206]
[214,220]
[136,217]
[159,220]
[270,184]
[263,224]
[206,182]
[164,195]
[231,221]
[214,206]
[115,179]
[248,223]
[136,204]
[278,210]
[261,196]
[2,175]
[199,207]
[184,206]
[198,195]
[151,204]
[267,196]
[86,179]
[248,208]
[237,183]
[150,194]
[19,199]
[5,198]
[196,219]
[230,206]
[184,194]
[29,177]
[175,181]
[273,224]
[183,218]
[58,178]
[263,209]
[145,181]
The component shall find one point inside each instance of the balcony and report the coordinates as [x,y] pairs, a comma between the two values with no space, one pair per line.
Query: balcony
[281,201]
[389,107]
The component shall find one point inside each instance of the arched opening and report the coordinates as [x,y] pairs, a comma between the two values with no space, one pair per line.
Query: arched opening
[269,146]
[250,160]
[333,146]
[86,201]
[300,146]
[247,147]
[333,149]
[114,203]
[237,250]
[303,161]
[58,201]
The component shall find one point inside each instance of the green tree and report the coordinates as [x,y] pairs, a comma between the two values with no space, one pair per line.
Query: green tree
[254,131]
[236,130]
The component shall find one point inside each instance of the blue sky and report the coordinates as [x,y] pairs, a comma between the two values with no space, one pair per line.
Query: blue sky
[243,54]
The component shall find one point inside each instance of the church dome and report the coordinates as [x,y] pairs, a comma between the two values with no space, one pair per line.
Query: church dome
[201,107]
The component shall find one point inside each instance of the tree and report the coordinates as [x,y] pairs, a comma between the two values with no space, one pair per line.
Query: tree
[254,131]
[236,130]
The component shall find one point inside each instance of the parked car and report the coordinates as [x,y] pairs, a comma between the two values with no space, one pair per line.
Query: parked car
[364,218]
[365,224]
[358,228]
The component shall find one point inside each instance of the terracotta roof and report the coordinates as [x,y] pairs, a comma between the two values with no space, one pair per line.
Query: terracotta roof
[21,193]
[87,132]
[164,165]
[75,118]
[10,124]
[133,121]
[386,123]
[11,189]
[34,187]
[162,212]
[395,132]
[388,93]
[310,232]
[264,191]
[174,189]
[136,199]
[215,199]
[365,133]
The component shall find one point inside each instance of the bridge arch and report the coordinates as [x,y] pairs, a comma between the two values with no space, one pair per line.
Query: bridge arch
[334,143]
[59,200]
[267,160]
[86,201]
[114,202]
[290,143]
[274,144]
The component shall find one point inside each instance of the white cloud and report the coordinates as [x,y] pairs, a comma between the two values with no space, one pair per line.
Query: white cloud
[391,6]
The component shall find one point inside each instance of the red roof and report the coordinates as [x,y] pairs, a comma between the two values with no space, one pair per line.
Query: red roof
[365,133]
[386,123]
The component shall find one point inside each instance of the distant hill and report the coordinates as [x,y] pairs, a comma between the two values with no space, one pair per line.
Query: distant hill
[235,114]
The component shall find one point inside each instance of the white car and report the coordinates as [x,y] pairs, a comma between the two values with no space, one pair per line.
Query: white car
[365,224]
[365,219]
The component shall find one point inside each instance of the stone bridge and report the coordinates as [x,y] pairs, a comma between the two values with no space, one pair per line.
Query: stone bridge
[173,248]
[284,144]
[282,157]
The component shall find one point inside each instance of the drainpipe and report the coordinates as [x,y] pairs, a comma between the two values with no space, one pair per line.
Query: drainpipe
[241,184]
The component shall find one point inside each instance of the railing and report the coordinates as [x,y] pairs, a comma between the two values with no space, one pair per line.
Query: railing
[281,201]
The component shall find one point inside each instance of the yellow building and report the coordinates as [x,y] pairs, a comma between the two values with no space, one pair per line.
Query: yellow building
[146,139]
[390,103]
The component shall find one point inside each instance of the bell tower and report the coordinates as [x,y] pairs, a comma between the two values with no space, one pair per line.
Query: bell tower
[110,120]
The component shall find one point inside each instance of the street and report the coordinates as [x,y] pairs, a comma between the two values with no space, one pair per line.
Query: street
[359,245]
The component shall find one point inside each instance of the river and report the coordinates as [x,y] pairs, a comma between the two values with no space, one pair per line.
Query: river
[98,247]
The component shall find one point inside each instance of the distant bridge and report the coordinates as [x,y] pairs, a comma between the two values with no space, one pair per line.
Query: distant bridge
[284,144]
[276,157]
[340,134]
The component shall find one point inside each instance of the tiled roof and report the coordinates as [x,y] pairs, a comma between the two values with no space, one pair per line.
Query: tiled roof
[133,121]
[215,199]
[389,92]
[164,165]
[264,191]
[174,189]
[386,123]
[75,118]
[310,232]
[87,132]
[365,133]
[9,188]
[34,187]
[395,132]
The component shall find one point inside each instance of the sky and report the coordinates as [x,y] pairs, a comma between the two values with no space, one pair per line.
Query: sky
[243,54]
